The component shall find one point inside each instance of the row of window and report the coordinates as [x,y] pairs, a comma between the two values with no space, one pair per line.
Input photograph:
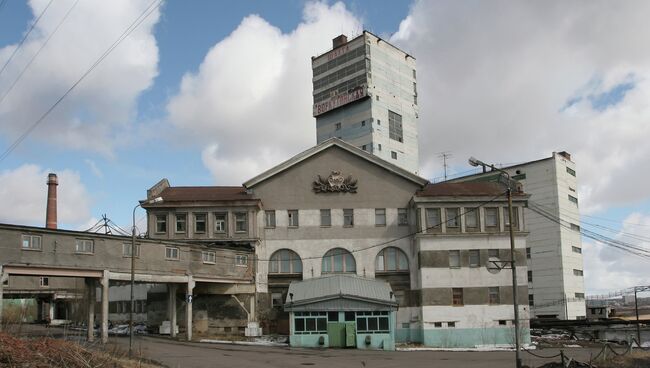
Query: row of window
[338,260]
[200,222]
[87,246]
[457,298]
[574,249]
[293,217]
[454,217]
[306,323]
[340,60]
[474,257]
[124,306]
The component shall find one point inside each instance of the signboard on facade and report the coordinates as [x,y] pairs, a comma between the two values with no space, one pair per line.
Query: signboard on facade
[339,100]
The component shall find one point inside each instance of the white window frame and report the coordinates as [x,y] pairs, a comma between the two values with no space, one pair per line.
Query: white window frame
[495,211]
[348,217]
[293,217]
[178,217]
[221,220]
[454,252]
[238,221]
[476,253]
[241,260]
[126,250]
[209,257]
[453,220]
[160,218]
[84,246]
[269,219]
[204,221]
[326,213]
[380,217]
[44,281]
[172,253]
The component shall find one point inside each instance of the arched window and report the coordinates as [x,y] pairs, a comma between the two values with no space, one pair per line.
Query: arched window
[285,261]
[391,259]
[338,260]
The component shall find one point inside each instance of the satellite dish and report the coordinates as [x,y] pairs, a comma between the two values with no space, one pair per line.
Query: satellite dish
[494,265]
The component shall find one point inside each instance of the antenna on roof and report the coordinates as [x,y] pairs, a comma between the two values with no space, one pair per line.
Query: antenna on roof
[445,155]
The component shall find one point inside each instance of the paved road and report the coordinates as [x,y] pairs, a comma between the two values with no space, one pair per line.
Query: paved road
[189,355]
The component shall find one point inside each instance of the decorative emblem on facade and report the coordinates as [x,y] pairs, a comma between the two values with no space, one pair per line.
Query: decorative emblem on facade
[335,183]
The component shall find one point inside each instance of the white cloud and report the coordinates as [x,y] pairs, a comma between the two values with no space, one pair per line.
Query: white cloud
[251,96]
[608,269]
[96,115]
[94,168]
[23,195]
[493,78]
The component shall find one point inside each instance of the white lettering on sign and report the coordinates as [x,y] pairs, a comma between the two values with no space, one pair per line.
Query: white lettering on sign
[340,100]
[338,52]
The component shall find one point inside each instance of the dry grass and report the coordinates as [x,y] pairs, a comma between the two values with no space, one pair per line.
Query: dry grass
[48,352]
[635,359]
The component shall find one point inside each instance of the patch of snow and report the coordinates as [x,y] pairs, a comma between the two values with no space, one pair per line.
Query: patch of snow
[250,343]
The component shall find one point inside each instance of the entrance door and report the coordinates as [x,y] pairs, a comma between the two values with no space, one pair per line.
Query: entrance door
[336,332]
[350,335]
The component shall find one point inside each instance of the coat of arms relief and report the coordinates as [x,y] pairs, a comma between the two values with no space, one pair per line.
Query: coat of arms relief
[335,182]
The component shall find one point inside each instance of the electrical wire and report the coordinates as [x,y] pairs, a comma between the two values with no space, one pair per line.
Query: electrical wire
[144,15]
[25,37]
[29,63]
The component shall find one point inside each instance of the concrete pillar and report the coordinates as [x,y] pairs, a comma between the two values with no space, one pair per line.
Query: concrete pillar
[3,277]
[171,307]
[50,306]
[105,287]
[90,286]
[188,302]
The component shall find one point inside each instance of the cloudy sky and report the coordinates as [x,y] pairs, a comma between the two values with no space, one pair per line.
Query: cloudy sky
[204,94]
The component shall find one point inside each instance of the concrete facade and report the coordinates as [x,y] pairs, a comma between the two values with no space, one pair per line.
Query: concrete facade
[365,93]
[555,249]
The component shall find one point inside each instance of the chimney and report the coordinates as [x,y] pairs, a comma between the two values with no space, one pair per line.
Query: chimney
[339,41]
[50,213]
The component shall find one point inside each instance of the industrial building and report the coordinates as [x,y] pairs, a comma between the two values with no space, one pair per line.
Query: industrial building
[554,254]
[365,93]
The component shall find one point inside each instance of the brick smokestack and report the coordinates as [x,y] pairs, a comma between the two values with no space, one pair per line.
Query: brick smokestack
[50,214]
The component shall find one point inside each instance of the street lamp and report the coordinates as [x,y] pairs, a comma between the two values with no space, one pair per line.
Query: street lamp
[475,162]
[150,201]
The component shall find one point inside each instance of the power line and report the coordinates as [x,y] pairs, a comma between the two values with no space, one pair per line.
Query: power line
[25,37]
[144,15]
[2,4]
[38,52]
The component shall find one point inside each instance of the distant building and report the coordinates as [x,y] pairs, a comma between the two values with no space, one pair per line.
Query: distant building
[365,93]
[554,254]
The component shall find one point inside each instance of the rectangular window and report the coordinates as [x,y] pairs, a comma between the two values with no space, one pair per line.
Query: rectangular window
[241,222]
[530,276]
[325,217]
[580,295]
[493,295]
[126,250]
[44,281]
[32,242]
[515,218]
[577,272]
[348,217]
[161,224]
[492,218]
[395,126]
[576,250]
[181,222]
[471,219]
[453,217]
[393,155]
[269,218]
[380,217]
[531,300]
[84,246]
[172,253]
[502,322]
[528,253]
[241,260]
[474,258]
[571,171]
[454,258]
[338,126]
[293,218]
[493,253]
[457,296]
[573,199]
[575,227]
[200,222]
[220,222]
[209,257]
[276,300]
[402,217]
[433,219]
[437,324]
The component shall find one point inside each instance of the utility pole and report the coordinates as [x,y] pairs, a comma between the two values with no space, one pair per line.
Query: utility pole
[636,310]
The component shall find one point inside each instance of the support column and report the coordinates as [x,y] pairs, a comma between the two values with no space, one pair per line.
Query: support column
[105,286]
[188,303]
[50,308]
[90,286]
[171,306]
[3,277]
